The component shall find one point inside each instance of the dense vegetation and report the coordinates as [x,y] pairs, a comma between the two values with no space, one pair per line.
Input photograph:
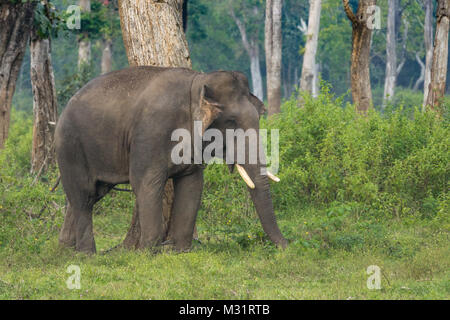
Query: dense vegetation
[355,191]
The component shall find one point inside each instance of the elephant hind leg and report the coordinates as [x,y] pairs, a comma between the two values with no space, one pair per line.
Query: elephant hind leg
[67,235]
[77,230]
[84,229]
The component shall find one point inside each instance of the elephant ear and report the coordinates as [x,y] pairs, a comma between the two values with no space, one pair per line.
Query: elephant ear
[258,104]
[208,110]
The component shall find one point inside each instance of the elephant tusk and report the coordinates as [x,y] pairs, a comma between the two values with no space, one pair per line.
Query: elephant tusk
[245,176]
[272,176]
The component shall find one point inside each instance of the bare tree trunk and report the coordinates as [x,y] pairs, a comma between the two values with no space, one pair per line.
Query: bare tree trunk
[16,20]
[273,54]
[106,64]
[428,40]
[421,78]
[295,82]
[391,53]
[84,44]
[153,35]
[440,57]
[309,76]
[316,81]
[402,54]
[252,48]
[255,69]
[45,108]
[362,24]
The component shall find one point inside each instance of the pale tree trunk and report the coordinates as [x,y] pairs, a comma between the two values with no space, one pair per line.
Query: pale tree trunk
[153,35]
[44,104]
[309,76]
[421,78]
[391,53]
[252,48]
[16,20]
[273,54]
[106,63]
[428,40]
[84,44]
[438,83]
[402,55]
[362,25]
[316,81]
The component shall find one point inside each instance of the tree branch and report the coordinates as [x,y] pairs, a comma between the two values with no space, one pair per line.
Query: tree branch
[242,30]
[349,12]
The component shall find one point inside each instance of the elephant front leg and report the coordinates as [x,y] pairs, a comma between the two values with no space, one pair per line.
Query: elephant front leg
[188,192]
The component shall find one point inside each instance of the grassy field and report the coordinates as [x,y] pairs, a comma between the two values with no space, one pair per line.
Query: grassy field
[327,259]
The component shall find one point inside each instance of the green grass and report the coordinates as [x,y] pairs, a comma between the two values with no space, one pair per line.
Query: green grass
[327,259]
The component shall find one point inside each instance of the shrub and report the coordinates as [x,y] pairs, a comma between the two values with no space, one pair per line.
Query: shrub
[393,164]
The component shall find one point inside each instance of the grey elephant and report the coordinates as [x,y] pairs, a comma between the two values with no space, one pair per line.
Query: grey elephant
[117,129]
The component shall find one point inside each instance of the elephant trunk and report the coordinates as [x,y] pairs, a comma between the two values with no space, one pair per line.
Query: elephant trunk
[262,200]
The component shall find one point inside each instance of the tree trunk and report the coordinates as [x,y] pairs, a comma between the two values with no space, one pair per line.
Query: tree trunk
[421,78]
[106,63]
[255,69]
[44,104]
[362,25]
[16,20]
[391,53]
[428,40]
[438,83]
[153,35]
[273,54]
[252,48]
[309,68]
[316,81]
[84,44]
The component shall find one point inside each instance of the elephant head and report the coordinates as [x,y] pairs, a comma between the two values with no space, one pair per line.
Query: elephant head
[222,100]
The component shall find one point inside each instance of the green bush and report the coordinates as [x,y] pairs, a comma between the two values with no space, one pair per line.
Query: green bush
[29,213]
[393,164]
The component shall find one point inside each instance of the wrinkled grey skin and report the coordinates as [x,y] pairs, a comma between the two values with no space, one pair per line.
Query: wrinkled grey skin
[117,129]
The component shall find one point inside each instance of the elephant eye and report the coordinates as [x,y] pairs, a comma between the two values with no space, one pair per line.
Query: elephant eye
[230,123]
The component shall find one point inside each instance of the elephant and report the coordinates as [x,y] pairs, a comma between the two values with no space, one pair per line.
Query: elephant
[117,130]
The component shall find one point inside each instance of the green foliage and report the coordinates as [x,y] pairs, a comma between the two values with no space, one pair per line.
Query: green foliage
[29,213]
[48,20]
[101,22]
[72,83]
[391,165]
[335,46]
